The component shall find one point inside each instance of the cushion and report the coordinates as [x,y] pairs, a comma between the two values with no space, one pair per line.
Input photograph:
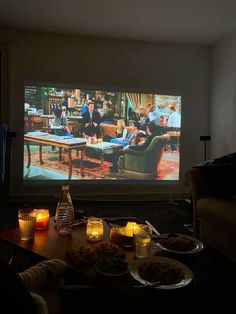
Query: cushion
[219,212]
[221,173]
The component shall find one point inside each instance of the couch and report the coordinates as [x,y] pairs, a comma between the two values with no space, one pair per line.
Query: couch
[214,206]
[143,164]
[110,129]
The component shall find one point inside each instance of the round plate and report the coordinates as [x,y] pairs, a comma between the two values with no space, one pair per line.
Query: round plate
[188,275]
[198,244]
[113,267]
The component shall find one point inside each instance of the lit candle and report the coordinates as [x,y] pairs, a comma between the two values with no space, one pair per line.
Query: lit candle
[42,218]
[131,226]
[94,235]
[94,229]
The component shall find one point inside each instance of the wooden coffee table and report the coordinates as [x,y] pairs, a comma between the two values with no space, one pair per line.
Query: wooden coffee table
[48,244]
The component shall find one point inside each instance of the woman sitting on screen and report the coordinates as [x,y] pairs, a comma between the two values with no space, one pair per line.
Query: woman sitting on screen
[121,133]
[129,139]
[60,121]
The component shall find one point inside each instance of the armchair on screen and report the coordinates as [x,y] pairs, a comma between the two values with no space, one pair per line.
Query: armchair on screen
[143,164]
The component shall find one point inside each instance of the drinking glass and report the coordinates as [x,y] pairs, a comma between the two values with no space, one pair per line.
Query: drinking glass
[142,238]
[27,221]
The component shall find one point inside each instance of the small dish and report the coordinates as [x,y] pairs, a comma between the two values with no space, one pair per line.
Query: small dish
[112,267]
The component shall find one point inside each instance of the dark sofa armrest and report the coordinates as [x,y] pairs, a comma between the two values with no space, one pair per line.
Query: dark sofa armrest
[199,184]
[127,150]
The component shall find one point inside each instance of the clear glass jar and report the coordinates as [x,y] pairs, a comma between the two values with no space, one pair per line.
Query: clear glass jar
[94,229]
[64,216]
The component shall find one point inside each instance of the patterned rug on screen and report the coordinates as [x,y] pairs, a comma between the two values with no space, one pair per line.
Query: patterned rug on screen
[93,168]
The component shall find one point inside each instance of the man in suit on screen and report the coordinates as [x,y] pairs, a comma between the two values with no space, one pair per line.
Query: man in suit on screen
[91,121]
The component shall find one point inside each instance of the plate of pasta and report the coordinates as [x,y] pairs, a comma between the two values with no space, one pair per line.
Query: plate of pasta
[179,243]
[170,273]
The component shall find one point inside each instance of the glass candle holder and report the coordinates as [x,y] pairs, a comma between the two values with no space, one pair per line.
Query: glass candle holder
[26,220]
[42,218]
[94,229]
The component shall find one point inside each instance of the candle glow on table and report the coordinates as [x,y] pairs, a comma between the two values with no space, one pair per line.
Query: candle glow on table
[131,226]
[42,218]
[94,229]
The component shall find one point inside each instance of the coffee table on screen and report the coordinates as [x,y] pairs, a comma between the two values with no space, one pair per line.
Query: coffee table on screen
[42,138]
[104,148]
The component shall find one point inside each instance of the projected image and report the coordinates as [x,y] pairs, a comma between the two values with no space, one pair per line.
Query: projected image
[80,134]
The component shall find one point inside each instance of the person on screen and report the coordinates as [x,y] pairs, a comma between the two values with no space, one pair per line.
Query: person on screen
[173,124]
[84,107]
[91,121]
[152,131]
[152,112]
[107,115]
[128,139]
[174,119]
[143,120]
[161,113]
[57,117]
[121,132]
[133,116]
[63,118]
[60,121]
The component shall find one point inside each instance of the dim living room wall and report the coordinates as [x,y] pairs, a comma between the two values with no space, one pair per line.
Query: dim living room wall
[80,61]
[223,98]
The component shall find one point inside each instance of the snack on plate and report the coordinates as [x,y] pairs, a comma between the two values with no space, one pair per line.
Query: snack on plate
[178,243]
[84,253]
[165,273]
[91,253]
[106,249]
[118,237]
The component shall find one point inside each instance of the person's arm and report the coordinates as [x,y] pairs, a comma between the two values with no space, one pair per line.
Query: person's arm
[124,134]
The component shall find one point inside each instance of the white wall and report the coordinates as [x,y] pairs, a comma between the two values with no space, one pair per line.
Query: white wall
[223,99]
[143,66]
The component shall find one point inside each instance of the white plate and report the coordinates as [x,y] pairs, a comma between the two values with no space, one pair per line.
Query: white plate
[188,275]
[112,267]
[198,248]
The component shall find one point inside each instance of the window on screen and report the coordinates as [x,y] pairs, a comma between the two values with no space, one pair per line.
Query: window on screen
[88,134]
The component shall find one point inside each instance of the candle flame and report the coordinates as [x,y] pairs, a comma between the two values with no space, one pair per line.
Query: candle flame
[131,226]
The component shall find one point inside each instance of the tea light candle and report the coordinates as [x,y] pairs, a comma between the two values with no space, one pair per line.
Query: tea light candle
[94,229]
[42,218]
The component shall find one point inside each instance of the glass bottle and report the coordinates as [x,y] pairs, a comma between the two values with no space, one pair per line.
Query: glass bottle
[64,216]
